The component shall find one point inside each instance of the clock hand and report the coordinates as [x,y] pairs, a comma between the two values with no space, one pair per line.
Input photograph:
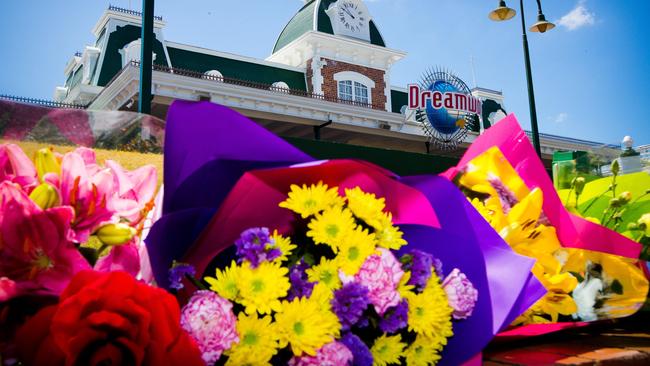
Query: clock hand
[350,14]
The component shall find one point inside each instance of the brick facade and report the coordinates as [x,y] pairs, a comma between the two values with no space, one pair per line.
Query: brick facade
[330,86]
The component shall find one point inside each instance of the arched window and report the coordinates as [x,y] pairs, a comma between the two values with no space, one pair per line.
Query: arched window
[354,87]
[280,86]
[213,75]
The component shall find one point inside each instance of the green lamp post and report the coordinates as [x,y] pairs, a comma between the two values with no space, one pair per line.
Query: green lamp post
[502,13]
[146,58]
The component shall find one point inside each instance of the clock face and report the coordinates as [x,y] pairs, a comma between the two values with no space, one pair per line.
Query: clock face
[351,16]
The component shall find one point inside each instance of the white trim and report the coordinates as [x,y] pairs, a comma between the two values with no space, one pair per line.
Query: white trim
[389,104]
[317,79]
[316,7]
[128,18]
[232,56]
[357,52]
[399,89]
[354,76]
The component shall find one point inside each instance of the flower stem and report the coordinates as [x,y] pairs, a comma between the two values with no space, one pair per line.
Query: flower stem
[196,282]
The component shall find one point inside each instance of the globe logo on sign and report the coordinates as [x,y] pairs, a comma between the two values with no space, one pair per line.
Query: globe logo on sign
[444,107]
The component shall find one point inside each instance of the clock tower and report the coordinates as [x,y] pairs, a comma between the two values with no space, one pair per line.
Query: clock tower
[350,18]
[343,52]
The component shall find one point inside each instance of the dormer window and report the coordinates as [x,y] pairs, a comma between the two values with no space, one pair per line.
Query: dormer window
[354,87]
[353,91]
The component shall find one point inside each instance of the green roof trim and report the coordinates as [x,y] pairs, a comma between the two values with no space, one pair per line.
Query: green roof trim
[236,69]
[117,40]
[375,36]
[303,22]
[398,99]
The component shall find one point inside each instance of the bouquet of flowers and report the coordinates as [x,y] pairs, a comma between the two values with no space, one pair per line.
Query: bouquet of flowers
[589,272]
[334,292]
[304,261]
[63,213]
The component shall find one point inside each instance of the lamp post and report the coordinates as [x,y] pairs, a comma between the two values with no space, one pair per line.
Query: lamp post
[503,12]
[146,57]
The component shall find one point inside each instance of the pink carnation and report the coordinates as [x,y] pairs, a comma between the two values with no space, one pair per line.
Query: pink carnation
[209,319]
[461,294]
[381,274]
[331,354]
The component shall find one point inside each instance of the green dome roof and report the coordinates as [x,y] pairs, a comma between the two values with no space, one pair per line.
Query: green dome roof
[303,22]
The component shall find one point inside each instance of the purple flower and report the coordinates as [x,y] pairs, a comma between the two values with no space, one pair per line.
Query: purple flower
[300,285]
[349,303]
[396,318]
[461,294]
[254,245]
[178,272]
[361,353]
[420,266]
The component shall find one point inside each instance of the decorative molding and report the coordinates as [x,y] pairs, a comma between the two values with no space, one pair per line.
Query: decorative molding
[354,76]
[301,50]
[317,80]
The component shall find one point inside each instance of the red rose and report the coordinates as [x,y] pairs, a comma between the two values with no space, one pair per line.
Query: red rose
[108,319]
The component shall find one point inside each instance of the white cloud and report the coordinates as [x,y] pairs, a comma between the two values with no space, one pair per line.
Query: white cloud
[579,17]
[561,117]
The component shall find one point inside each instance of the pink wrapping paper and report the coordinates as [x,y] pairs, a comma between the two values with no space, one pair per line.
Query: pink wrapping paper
[573,231]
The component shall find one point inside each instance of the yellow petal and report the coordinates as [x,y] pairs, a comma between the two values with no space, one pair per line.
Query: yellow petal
[46,162]
[528,209]
[45,196]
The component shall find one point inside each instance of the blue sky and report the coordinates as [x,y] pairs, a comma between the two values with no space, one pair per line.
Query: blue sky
[591,72]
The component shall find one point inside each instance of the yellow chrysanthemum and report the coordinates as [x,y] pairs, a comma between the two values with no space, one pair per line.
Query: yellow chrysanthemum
[365,206]
[226,282]
[422,352]
[323,295]
[258,341]
[429,312]
[387,350]
[331,227]
[262,287]
[308,201]
[358,245]
[305,325]
[326,272]
[403,287]
[388,235]
[284,244]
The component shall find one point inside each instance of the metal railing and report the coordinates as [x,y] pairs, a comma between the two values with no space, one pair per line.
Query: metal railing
[131,12]
[255,85]
[40,102]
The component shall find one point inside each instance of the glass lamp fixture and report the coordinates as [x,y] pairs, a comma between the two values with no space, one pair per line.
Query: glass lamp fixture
[542,24]
[503,12]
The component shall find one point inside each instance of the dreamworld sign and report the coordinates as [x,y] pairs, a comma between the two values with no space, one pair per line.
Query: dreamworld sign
[444,106]
[424,98]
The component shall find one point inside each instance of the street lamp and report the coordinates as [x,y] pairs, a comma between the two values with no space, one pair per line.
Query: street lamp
[503,12]
[146,58]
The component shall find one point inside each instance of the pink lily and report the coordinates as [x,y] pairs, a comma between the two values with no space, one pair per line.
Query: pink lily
[37,255]
[7,289]
[135,191]
[124,257]
[87,188]
[16,167]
